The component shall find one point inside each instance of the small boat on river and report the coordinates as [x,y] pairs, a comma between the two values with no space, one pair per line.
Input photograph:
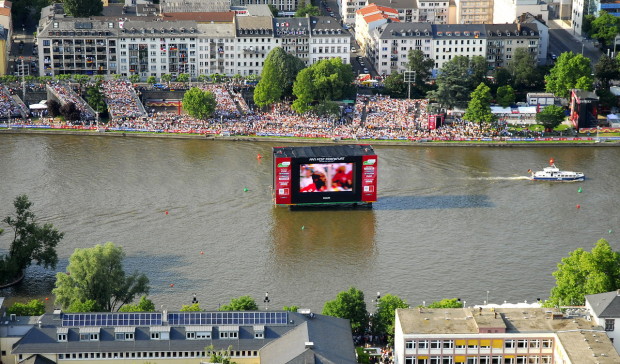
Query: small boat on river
[554,174]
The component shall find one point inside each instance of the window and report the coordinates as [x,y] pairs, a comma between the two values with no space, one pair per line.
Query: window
[448,344]
[190,335]
[534,343]
[509,344]
[155,335]
[259,335]
[522,343]
[435,344]
[609,324]
[409,345]
[547,343]
[61,337]
[423,344]
[89,336]
[123,336]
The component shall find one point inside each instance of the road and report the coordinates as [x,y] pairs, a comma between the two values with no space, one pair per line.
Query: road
[562,40]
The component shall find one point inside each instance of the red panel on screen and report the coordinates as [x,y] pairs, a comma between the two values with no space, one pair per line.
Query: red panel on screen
[369,178]
[282,181]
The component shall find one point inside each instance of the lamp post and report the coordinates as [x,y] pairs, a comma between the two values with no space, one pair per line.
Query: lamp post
[266,300]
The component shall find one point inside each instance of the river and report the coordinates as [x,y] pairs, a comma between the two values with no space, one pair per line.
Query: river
[450,221]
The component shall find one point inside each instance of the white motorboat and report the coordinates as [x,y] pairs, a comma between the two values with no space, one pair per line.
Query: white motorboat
[554,174]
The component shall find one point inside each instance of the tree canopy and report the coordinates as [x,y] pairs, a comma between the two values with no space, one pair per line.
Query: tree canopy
[277,77]
[32,308]
[304,9]
[423,67]
[96,274]
[83,8]
[457,79]
[383,319]
[550,117]
[606,70]
[194,307]
[198,103]
[505,96]
[31,242]
[479,107]
[243,303]
[328,79]
[605,27]
[524,69]
[95,98]
[447,303]
[583,273]
[349,305]
[566,72]
[144,305]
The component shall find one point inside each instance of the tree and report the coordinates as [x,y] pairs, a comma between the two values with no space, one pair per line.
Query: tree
[151,79]
[96,99]
[31,242]
[349,305]
[606,70]
[422,65]
[327,108]
[568,68]
[83,8]
[243,303]
[479,107]
[135,78]
[97,274]
[53,108]
[584,83]
[220,356]
[395,85]
[447,303]
[194,307]
[605,28]
[523,68]
[64,77]
[273,9]
[183,77]
[277,77]
[117,76]
[550,117]
[304,9]
[454,83]
[198,103]
[290,308]
[145,305]
[83,306]
[583,273]
[81,79]
[70,111]
[328,79]
[166,77]
[503,77]
[505,96]
[33,308]
[383,319]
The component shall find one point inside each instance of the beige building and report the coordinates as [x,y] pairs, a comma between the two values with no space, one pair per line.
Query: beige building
[499,336]
[474,11]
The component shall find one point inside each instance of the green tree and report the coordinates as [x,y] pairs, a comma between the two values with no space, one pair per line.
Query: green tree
[202,78]
[328,79]
[166,77]
[243,303]
[117,76]
[568,68]
[454,83]
[32,308]
[423,67]
[290,308]
[96,99]
[31,242]
[99,78]
[349,305]
[395,85]
[83,306]
[447,303]
[97,274]
[220,356]
[586,26]
[550,117]
[523,68]
[144,305]
[194,307]
[606,98]
[606,70]
[304,9]
[135,78]
[584,83]
[503,77]
[64,77]
[83,8]
[327,108]
[383,319]
[583,273]
[505,96]
[277,77]
[183,77]
[70,111]
[605,28]
[479,107]
[198,103]
[151,80]
[273,9]
[81,79]
[53,108]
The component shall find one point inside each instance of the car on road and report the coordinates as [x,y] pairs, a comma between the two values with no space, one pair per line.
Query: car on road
[352,49]
[160,86]
[366,70]
[332,14]
[554,56]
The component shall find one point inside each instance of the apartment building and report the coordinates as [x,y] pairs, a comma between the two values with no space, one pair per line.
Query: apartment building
[605,311]
[474,11]
[369,18]
[389,44]
[250,337]
[499,336]
[173,43]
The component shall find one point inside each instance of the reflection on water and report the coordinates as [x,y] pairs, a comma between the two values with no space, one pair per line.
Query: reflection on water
[432,202]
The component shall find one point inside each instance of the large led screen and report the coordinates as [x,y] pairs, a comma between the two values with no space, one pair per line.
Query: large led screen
[326,177]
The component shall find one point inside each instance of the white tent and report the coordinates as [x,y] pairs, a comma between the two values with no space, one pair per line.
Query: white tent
[37,107]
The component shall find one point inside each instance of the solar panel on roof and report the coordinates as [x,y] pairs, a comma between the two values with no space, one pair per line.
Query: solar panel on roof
[112,319]
[227,318]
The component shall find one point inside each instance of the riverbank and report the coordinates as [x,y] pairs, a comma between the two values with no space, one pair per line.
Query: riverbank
[483,142]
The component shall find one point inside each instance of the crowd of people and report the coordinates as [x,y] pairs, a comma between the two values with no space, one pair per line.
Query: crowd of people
[66,95]
[122,99]
[9,107]
[373,117]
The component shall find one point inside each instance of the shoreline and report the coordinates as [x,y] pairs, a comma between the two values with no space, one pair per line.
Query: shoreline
[589,142]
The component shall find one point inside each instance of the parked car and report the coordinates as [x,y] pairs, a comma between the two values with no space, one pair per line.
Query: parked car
[160,86]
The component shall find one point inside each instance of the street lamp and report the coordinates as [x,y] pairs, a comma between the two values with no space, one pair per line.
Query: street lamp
[266,300]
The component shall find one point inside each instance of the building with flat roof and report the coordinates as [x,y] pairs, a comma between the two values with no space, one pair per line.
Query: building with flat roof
[605,310]
[499,336]
[250,337]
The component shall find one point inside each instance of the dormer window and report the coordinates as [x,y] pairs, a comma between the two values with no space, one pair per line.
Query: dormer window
[160,332]
[259,331]
[198,332]
[89,333]
[229,332]
[124,333]
[62,333]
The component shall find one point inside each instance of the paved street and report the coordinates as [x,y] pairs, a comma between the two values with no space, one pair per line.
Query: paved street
[562,40]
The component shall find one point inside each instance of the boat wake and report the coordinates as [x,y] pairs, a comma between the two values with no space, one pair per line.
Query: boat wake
[516,178]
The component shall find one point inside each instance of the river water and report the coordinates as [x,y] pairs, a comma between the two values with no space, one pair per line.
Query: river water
[450,221]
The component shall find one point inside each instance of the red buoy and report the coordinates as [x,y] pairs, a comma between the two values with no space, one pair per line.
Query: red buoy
[201,252]
[47,298]
[578,206]
[166,212]
[171,284]
[258,156]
